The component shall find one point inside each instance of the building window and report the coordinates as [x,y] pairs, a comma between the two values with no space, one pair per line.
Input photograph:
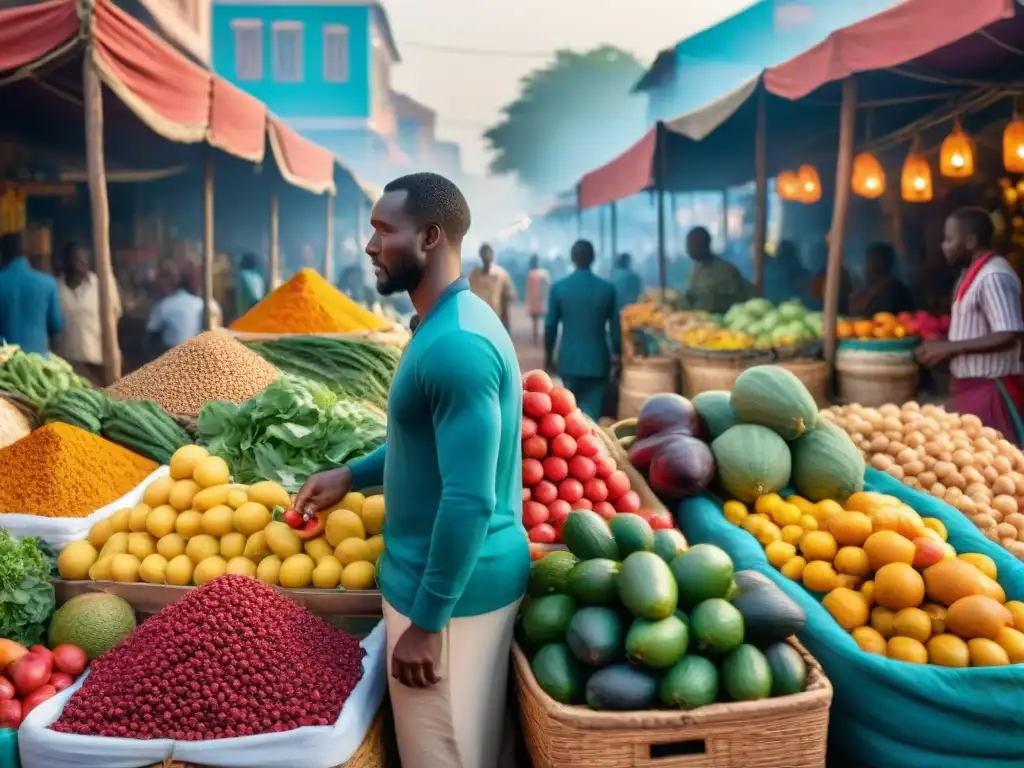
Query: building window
[335,53]
[248,48]
[287,51]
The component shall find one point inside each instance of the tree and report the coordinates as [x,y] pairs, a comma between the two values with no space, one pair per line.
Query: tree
[571,116]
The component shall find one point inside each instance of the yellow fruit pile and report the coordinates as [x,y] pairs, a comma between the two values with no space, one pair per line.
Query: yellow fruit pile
[890,578]
[711,336]
[195,525]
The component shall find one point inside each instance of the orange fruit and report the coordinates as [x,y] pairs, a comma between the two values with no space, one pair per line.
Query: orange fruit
[818,545]
[898,586]
[950,580]
[948,651]
[779,553]
[847,607]
[907,649]
[852,560]
[764,505]
[869,640]
[885,319]
[850,528]
[914,623]
[791,534]
[819,576]
[882,619]
[867,502]
[806,507]
[937,614]
[983,563]
[794,568]
[987,653]
[844,329]
[885,547]
[934,524]
[825,509]
[1016,609]
[864,329]
[977,616]
[868,590]
[1011,641]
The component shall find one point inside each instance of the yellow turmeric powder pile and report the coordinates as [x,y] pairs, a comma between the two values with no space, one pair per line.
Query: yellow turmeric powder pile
[64,471]
[307,304]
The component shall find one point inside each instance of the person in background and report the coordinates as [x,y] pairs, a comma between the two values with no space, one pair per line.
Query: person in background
[457,560]
[785,278]
[983,348]
[626,282]
[884,292]
[714,284]
[81,342]
[492,284]
[179,316]
[251,287]
[538,287]
[583,306]
[29,304]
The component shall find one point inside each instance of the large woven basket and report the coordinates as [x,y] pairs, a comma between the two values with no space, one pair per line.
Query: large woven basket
[788,732]
[875,384]
[701,374]
[643,377]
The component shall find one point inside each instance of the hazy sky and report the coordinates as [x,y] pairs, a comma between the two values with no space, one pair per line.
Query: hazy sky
[468,90]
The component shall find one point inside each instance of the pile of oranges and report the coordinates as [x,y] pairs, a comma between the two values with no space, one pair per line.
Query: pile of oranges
[883,325]
[890,578]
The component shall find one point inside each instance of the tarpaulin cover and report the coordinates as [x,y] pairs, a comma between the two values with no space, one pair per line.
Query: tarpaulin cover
[237,121]
[888,713]
[627,174]
[301,159]
[29,32]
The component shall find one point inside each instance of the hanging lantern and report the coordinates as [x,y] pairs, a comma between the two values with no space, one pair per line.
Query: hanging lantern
[868,178]
[956,157]
[916,179]
[1013,147]
[787,185]
[810,184]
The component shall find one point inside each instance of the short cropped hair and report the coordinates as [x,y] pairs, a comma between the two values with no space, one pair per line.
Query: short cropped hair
[976,221]
[582,253]
[433,199]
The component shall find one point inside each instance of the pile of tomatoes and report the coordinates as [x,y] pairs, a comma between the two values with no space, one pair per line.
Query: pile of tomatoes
[566,465]
[30,676]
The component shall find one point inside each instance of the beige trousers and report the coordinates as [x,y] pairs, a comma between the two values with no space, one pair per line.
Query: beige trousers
[460,721]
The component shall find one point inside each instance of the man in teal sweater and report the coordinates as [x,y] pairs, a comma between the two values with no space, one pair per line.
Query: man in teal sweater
[457,559]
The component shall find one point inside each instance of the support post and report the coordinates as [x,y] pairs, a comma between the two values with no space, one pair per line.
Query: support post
[662,258]
[725,219]
[329,241]
[275,244]
[208,242]
[601,231]
[760,194]
[615,230]
[844,169]
[97,176]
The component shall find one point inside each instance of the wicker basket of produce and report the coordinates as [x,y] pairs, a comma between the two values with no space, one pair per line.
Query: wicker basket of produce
[704,372]
[790,731]
[643,377]
[874,378]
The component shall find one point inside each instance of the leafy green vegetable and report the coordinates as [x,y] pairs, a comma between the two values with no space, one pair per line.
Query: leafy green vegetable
[26,596]
[291,430]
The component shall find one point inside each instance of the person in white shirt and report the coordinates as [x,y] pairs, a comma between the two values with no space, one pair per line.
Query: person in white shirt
[78,289]
[178,317]
[493,284]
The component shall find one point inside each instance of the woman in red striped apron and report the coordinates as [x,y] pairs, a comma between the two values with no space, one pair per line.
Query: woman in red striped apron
[983,348]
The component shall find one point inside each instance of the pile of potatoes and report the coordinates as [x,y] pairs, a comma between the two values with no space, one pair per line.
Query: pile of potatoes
[950,456]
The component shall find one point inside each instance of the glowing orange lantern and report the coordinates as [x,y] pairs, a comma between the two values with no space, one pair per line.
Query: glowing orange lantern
[868,179]
[956,157]
[1013,147]
[916,179]
[810,184]
[787,184]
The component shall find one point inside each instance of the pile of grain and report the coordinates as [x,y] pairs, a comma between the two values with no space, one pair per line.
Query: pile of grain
[210,366]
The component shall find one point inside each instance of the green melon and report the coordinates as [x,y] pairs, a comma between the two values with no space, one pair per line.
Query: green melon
[827,465]
[773,397]
[752,461]
[95,622]
[715,411]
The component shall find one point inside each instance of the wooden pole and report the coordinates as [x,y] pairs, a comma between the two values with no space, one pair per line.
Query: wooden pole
[760,194]
[601,230]
[615,230]
[329,241]
[275,245]
[844,168]
[208,242]
[725,219]
[97,175]
[662,258]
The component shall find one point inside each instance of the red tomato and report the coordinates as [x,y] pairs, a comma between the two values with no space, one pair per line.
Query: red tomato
[535,448]
[558,510]
[529,427]
[605,465]
[584,503]
[30,671]
[595,490]
[576,424]
[555,469]
[534,514]
[563,446]
[583,469]
[6,689]
[618,484]
[562,401]
[536,404]
[37,697]
[571,490]
[60,681]
[552,425]
[543,534]
[533,472]
[661,521]
[605,510]
[544,492]
[43,650]
[10,713]
[644,513]
[628,502]
[527,495]
[589,445]
[537,381]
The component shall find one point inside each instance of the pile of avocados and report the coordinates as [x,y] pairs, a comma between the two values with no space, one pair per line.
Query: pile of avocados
[630,619]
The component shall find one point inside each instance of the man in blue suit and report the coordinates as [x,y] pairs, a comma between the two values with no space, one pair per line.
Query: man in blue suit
[30,313]
[584,306]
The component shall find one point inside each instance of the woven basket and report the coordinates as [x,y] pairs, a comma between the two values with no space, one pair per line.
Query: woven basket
[643,377]
[788,732]
[876,384]
[701,374]
[372,753]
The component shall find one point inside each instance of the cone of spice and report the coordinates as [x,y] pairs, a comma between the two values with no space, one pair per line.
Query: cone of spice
[210,366]
[307,304]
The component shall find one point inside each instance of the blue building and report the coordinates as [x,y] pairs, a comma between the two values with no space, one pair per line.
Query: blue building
[322,65]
